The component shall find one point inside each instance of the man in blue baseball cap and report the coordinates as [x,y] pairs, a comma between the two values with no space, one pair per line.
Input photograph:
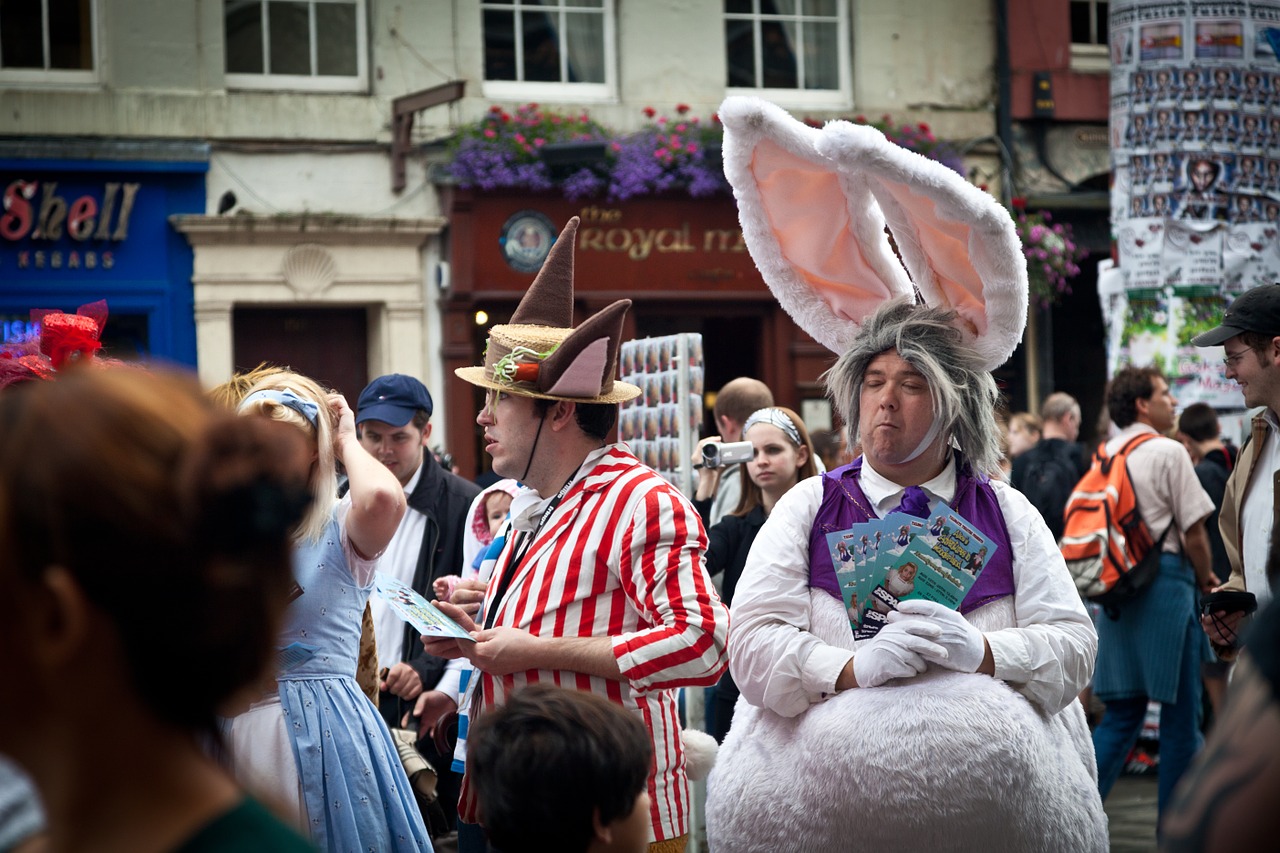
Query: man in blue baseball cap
[1250,338]
[393,421]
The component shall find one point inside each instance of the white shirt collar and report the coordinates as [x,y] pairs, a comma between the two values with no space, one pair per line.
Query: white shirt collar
[527,506]
[885,494]
[413,481]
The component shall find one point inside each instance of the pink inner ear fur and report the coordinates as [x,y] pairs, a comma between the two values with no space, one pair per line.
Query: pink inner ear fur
[585,374]
[815,237]
[945,244]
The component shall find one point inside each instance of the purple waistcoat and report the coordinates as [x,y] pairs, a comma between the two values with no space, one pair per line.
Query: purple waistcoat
[844,505]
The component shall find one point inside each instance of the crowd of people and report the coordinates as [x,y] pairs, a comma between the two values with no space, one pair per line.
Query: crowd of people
[206,564]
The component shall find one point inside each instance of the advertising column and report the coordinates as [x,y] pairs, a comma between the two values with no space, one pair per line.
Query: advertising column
[1195,139]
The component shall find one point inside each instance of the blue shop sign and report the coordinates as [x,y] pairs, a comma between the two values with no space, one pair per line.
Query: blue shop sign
[73,232]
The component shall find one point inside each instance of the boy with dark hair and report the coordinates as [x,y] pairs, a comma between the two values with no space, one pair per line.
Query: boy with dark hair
[561,770]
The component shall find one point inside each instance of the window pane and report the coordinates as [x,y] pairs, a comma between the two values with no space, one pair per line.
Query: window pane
[1080,13]
[819,7]
[737,6]
[69,33]
[499,45]
[739,42]
[821,56]
[21,35]
[779,57]
[541,48]
[778,7]
[585,46]
[290,43]
[243,24]
[336,39]
[1101,29]
[592,4]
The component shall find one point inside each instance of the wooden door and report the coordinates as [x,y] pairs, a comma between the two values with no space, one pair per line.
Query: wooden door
[330,345]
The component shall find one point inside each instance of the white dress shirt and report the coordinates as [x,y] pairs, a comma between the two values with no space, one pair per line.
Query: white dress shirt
[1042,640]
[1257,515]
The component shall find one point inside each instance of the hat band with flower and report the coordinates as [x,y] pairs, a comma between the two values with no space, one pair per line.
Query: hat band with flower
[540,354]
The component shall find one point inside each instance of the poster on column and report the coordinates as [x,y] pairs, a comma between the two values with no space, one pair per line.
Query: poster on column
[661,425]
[1195,135]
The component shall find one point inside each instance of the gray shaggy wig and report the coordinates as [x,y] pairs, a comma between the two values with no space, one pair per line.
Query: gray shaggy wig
[964,394]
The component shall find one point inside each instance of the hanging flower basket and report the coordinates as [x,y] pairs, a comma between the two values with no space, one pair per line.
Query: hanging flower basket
[1053,256]
[679,154]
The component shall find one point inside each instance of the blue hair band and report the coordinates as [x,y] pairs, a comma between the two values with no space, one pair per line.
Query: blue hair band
[288,399]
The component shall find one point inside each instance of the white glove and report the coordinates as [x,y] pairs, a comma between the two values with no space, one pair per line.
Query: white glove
[898,651]
[963,644]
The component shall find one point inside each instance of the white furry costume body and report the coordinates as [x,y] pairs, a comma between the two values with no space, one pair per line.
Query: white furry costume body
[943,761]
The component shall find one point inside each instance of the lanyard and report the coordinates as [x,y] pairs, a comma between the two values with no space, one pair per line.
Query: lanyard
[521,547]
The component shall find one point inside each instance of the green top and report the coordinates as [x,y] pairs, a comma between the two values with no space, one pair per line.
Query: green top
[247,828]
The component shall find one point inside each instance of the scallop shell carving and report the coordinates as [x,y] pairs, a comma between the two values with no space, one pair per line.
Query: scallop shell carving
[309,268]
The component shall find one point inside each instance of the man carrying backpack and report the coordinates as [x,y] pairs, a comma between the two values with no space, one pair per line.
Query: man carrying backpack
[1150,648]
[1048,472]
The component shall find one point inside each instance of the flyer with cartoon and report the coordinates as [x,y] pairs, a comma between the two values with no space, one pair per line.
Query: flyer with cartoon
[416,610]
[940,562]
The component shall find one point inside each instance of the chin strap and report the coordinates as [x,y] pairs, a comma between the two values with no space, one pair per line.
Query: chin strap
[524,478]
[926,441]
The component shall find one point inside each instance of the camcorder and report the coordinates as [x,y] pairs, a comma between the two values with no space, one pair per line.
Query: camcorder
[719,454]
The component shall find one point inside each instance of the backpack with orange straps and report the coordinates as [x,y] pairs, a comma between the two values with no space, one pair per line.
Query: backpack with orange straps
[1108,547]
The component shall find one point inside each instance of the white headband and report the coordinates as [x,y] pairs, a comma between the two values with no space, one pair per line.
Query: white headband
[774,417]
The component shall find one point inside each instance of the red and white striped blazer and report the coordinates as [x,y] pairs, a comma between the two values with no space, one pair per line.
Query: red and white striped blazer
[621,557]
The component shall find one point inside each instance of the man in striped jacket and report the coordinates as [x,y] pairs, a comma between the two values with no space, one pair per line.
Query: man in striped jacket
[601,585]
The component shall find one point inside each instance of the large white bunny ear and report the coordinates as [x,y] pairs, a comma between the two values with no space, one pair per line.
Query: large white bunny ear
[814,203]
[960,246]
[816,236]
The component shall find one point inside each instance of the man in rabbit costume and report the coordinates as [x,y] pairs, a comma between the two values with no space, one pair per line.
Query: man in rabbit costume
[947,730]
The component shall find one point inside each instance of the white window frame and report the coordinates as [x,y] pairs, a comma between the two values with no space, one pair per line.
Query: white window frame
[54,77]
[512,90]
[841,97]
[1095,56]
[359,82]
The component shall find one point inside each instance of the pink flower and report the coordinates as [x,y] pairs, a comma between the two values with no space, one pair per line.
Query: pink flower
[538,142]
[519,137]
[490,133]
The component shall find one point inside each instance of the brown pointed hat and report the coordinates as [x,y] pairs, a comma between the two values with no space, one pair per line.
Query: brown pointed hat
[539,353]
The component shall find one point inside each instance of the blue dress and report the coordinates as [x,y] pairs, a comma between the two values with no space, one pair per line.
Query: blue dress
[356,794]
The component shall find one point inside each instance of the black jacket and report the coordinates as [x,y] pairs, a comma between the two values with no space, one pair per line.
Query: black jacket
[728,544]
[1213,471]
[444,499]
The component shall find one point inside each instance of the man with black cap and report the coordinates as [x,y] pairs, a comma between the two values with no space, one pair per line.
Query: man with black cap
[392,419]
[1250,337]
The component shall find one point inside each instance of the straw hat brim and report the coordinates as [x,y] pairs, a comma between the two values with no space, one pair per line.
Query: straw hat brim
[619,393]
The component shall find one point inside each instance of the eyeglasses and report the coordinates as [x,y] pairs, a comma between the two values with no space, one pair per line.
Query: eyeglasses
[1233,358]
